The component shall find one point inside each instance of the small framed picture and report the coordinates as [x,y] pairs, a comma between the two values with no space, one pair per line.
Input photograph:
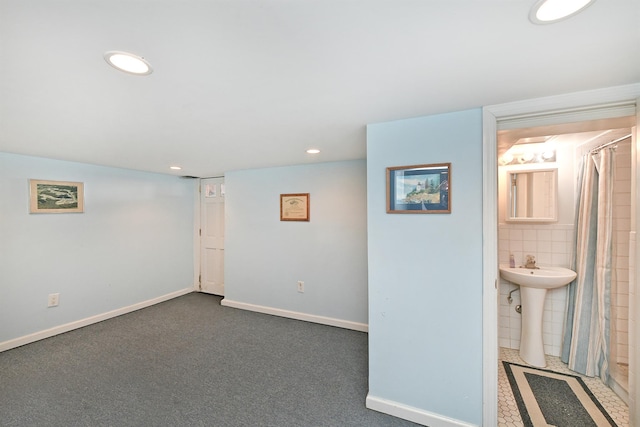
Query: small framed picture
[294,207]
[56,196]
[419,189]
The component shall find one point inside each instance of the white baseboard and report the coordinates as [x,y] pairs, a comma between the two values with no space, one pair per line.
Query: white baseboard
[346,324]
[27,339]
[410,413]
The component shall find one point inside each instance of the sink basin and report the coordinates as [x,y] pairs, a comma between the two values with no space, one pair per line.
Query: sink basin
[541,278]
[534,285]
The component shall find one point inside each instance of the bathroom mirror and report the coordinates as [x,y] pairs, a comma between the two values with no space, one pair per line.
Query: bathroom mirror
[532,195]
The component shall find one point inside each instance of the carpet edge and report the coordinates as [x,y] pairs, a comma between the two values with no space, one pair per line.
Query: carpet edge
[76,324]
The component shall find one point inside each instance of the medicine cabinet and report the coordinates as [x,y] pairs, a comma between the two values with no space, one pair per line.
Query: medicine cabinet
[532,195]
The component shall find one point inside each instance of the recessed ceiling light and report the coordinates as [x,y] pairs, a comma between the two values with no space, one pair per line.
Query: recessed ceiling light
[549,11]
[128,62]
[175,168]
[313,151]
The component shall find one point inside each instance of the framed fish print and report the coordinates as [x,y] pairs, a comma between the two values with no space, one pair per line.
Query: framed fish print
[56,196]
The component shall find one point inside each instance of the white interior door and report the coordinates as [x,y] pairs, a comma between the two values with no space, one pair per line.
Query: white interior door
[212,236]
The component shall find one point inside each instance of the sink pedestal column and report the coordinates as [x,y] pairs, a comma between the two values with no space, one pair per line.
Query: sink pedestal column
[531,345]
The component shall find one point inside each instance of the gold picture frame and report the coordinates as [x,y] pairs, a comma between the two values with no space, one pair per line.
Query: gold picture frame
[294,207]
[56,196]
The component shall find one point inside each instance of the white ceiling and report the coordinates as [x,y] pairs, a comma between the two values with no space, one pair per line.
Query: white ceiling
[253,83]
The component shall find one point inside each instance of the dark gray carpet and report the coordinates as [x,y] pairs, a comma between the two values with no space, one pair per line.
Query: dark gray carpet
[191,362]
[563,400]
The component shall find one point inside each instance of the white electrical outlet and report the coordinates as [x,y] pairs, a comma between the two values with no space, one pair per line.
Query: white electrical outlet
[300,286]
[53,300]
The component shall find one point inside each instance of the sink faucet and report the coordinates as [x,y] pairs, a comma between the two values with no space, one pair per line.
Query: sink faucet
[531,262]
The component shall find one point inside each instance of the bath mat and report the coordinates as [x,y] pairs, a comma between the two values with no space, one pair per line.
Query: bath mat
[547,398]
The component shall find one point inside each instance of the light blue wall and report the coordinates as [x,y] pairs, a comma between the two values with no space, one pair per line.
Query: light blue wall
[134,242]
[425,271]
[265,257]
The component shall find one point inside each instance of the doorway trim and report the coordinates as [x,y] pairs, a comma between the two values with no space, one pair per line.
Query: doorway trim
[578,106]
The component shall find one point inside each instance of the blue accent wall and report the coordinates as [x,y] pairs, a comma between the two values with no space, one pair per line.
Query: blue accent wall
[425,271]
[266,257]
[133,243]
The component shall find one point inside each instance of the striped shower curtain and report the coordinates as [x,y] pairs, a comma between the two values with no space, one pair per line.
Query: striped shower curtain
[585,346]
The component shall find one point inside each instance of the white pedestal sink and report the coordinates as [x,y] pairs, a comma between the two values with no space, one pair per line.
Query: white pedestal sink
[534,284]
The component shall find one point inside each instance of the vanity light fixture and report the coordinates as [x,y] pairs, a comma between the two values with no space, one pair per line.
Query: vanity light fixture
[528,153]
[550,11]
[175,168]
[313,151]
[128,62]
[533,149]
[507,159]
[528,158]
[548,154]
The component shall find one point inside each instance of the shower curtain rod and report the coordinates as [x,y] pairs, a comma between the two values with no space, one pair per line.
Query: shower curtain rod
[615,141]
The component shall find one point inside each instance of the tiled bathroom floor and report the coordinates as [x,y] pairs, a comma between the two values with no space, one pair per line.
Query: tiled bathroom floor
[508,414]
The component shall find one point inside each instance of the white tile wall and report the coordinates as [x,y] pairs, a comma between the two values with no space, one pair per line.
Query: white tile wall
[621,229]
[551,245]
[633,399]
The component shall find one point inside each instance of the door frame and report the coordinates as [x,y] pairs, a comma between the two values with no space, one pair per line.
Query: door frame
[564,108]
[196,234]
[200,232]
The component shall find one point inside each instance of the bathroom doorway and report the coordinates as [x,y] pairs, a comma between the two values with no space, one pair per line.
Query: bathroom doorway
[560,148]
[554,111]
